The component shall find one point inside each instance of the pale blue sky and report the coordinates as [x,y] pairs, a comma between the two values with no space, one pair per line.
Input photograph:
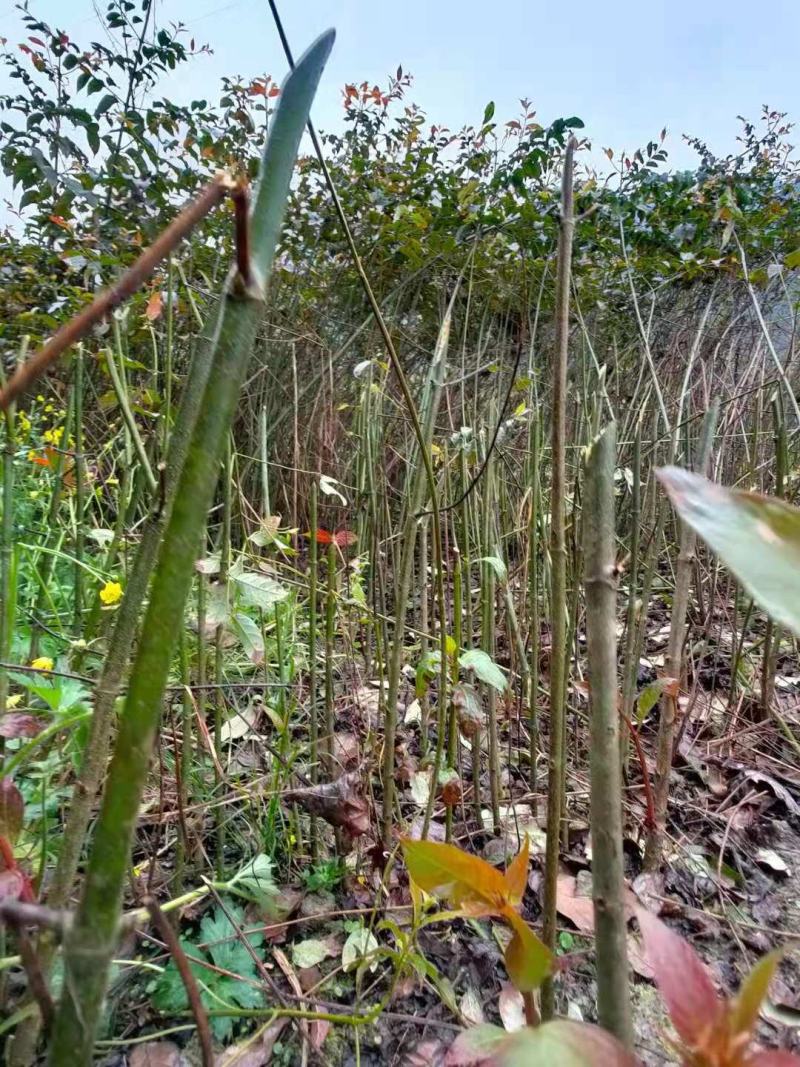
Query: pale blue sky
[627,67]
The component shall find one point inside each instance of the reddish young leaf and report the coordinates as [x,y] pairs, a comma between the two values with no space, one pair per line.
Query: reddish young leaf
[18,724]
[772,1058]
[12,810]
[517,874]
[562,1042]
[12,885]
[682,978]
[340,538]
[447,871]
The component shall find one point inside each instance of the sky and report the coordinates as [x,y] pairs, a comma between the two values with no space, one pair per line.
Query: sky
[626,67]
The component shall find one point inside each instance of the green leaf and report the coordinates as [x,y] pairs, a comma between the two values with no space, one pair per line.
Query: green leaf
[497,566]
[106,102]
[650,695]
[249,635]
[259,590]
[488,112]
[758,537]
[793,259]
[360,944]
[747,1003]
[309,953]
[528,960]
[484,667]
[256,880]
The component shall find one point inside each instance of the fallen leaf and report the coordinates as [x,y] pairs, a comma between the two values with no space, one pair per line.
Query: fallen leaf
[155,304]
[158,1054]
[309,953]
[471,1008]
[511,1007]
[768,857]
[252,1053]
[578,909]
[339,803]
[428,1053]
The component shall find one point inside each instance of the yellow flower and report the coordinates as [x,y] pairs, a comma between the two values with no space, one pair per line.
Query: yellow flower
[42,663]
[53,436]
[111,593]
[11,702]
[24,423]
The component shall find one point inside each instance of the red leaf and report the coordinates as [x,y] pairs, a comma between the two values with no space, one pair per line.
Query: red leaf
[683,980]
[341,538]
[17,724]
[772,1058]
[12,808]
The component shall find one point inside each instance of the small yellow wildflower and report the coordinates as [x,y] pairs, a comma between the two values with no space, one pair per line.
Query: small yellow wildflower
[111,593]
[48,408]
[53,436]
[11,702]
[40,398]
[24,424]
[42,663]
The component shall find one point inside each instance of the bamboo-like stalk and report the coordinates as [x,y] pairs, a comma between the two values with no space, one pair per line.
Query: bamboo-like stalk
[313,707]
[80,491]
[90,944]
[115,663]
[219,648]
[8,592]
[418,481]
[558,574]
[673,661]
[488,637]
[772,637]
[631,660]
[608,880]
[533,610]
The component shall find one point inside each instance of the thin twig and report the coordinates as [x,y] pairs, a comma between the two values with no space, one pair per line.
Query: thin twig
[162,924]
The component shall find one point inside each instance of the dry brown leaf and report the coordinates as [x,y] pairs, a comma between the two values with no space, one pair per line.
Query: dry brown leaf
[578,909]
[511,1007]
[155,304]
[157,1054]
[253,1053]
[339,803]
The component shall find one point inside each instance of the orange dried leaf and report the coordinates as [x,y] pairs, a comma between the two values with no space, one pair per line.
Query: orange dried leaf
[155,304]
[517,874]
[446,871]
